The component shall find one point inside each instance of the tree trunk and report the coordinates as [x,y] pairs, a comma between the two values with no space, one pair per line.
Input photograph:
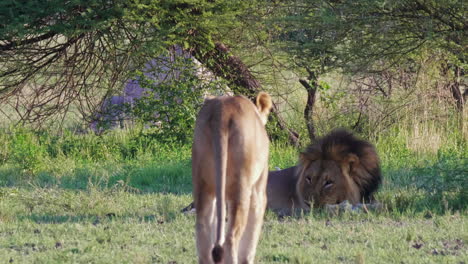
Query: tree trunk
[231,68]
[454,84]
[455,89]
[311,87]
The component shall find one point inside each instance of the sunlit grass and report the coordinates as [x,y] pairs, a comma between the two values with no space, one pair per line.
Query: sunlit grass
[116,198]
[116,225]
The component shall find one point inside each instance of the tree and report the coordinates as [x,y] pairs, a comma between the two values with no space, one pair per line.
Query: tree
[393,31]
[55,53]
[304,33]
[369,36]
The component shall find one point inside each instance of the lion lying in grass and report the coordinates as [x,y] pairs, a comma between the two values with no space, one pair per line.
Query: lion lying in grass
[336,168]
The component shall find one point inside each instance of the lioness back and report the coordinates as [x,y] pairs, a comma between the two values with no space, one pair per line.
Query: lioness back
[238,116]
[230,168]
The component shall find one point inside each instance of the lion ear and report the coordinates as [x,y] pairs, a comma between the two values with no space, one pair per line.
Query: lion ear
[264,104]
[309,156]
[301,181]
[305,159]
[353,161]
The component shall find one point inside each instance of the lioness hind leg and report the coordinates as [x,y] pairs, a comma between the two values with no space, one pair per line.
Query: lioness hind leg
[205,224]
[258,202]
[237,221]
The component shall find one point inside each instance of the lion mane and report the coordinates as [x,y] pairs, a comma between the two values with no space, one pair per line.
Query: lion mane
[336,168]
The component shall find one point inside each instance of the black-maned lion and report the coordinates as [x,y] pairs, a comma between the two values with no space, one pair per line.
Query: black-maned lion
[230,168]
[338,167]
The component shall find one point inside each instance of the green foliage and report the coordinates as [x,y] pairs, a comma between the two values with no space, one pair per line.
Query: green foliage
[172,21]
[89,48]
[310,35]
[170,107]
[22,19]
[357,34]
[275,133]
[25,149]
[365,36]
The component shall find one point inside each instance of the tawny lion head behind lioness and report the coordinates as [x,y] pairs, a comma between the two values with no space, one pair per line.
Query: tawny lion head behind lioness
[336,168]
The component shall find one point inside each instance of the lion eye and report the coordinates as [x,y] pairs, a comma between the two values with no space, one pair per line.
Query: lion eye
[328,184]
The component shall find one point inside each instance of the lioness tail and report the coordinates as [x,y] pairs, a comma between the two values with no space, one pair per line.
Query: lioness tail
[220,143]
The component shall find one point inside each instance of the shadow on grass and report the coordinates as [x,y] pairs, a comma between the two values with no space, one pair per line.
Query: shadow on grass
[96,219]
[58,219]
[411,200]
[174,177]
[435,188]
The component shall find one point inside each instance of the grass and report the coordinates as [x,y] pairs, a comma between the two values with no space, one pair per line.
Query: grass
[117,226]
[116,198]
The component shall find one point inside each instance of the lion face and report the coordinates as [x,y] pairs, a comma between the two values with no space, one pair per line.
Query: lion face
[324,182]
[336,168]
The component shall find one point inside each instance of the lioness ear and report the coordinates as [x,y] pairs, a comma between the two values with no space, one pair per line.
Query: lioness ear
[353,161]
[264,104]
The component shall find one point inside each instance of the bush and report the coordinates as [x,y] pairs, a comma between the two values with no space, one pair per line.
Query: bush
[168,108]
[24,149]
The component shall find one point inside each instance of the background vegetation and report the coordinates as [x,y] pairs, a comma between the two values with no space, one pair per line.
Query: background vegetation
[392,72]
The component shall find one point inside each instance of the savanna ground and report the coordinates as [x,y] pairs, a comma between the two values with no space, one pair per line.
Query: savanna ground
[394,72]
[116,198]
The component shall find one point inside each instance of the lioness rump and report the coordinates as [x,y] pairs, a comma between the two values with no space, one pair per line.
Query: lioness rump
[230,167]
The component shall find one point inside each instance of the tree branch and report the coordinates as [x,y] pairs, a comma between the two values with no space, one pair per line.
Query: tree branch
[232,69]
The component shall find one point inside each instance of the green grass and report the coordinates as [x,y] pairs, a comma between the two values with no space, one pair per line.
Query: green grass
[118,226]
[116,198]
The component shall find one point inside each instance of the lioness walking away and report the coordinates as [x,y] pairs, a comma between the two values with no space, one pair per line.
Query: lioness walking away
[230,168]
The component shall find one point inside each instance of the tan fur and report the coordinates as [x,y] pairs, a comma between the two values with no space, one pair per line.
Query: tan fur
[230,169]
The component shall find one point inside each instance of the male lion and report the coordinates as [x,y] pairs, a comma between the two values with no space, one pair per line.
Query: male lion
[336,168]
[230,168]
[339,167]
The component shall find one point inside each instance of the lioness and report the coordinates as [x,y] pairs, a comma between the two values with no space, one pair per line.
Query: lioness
[230,168]
[336,168]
